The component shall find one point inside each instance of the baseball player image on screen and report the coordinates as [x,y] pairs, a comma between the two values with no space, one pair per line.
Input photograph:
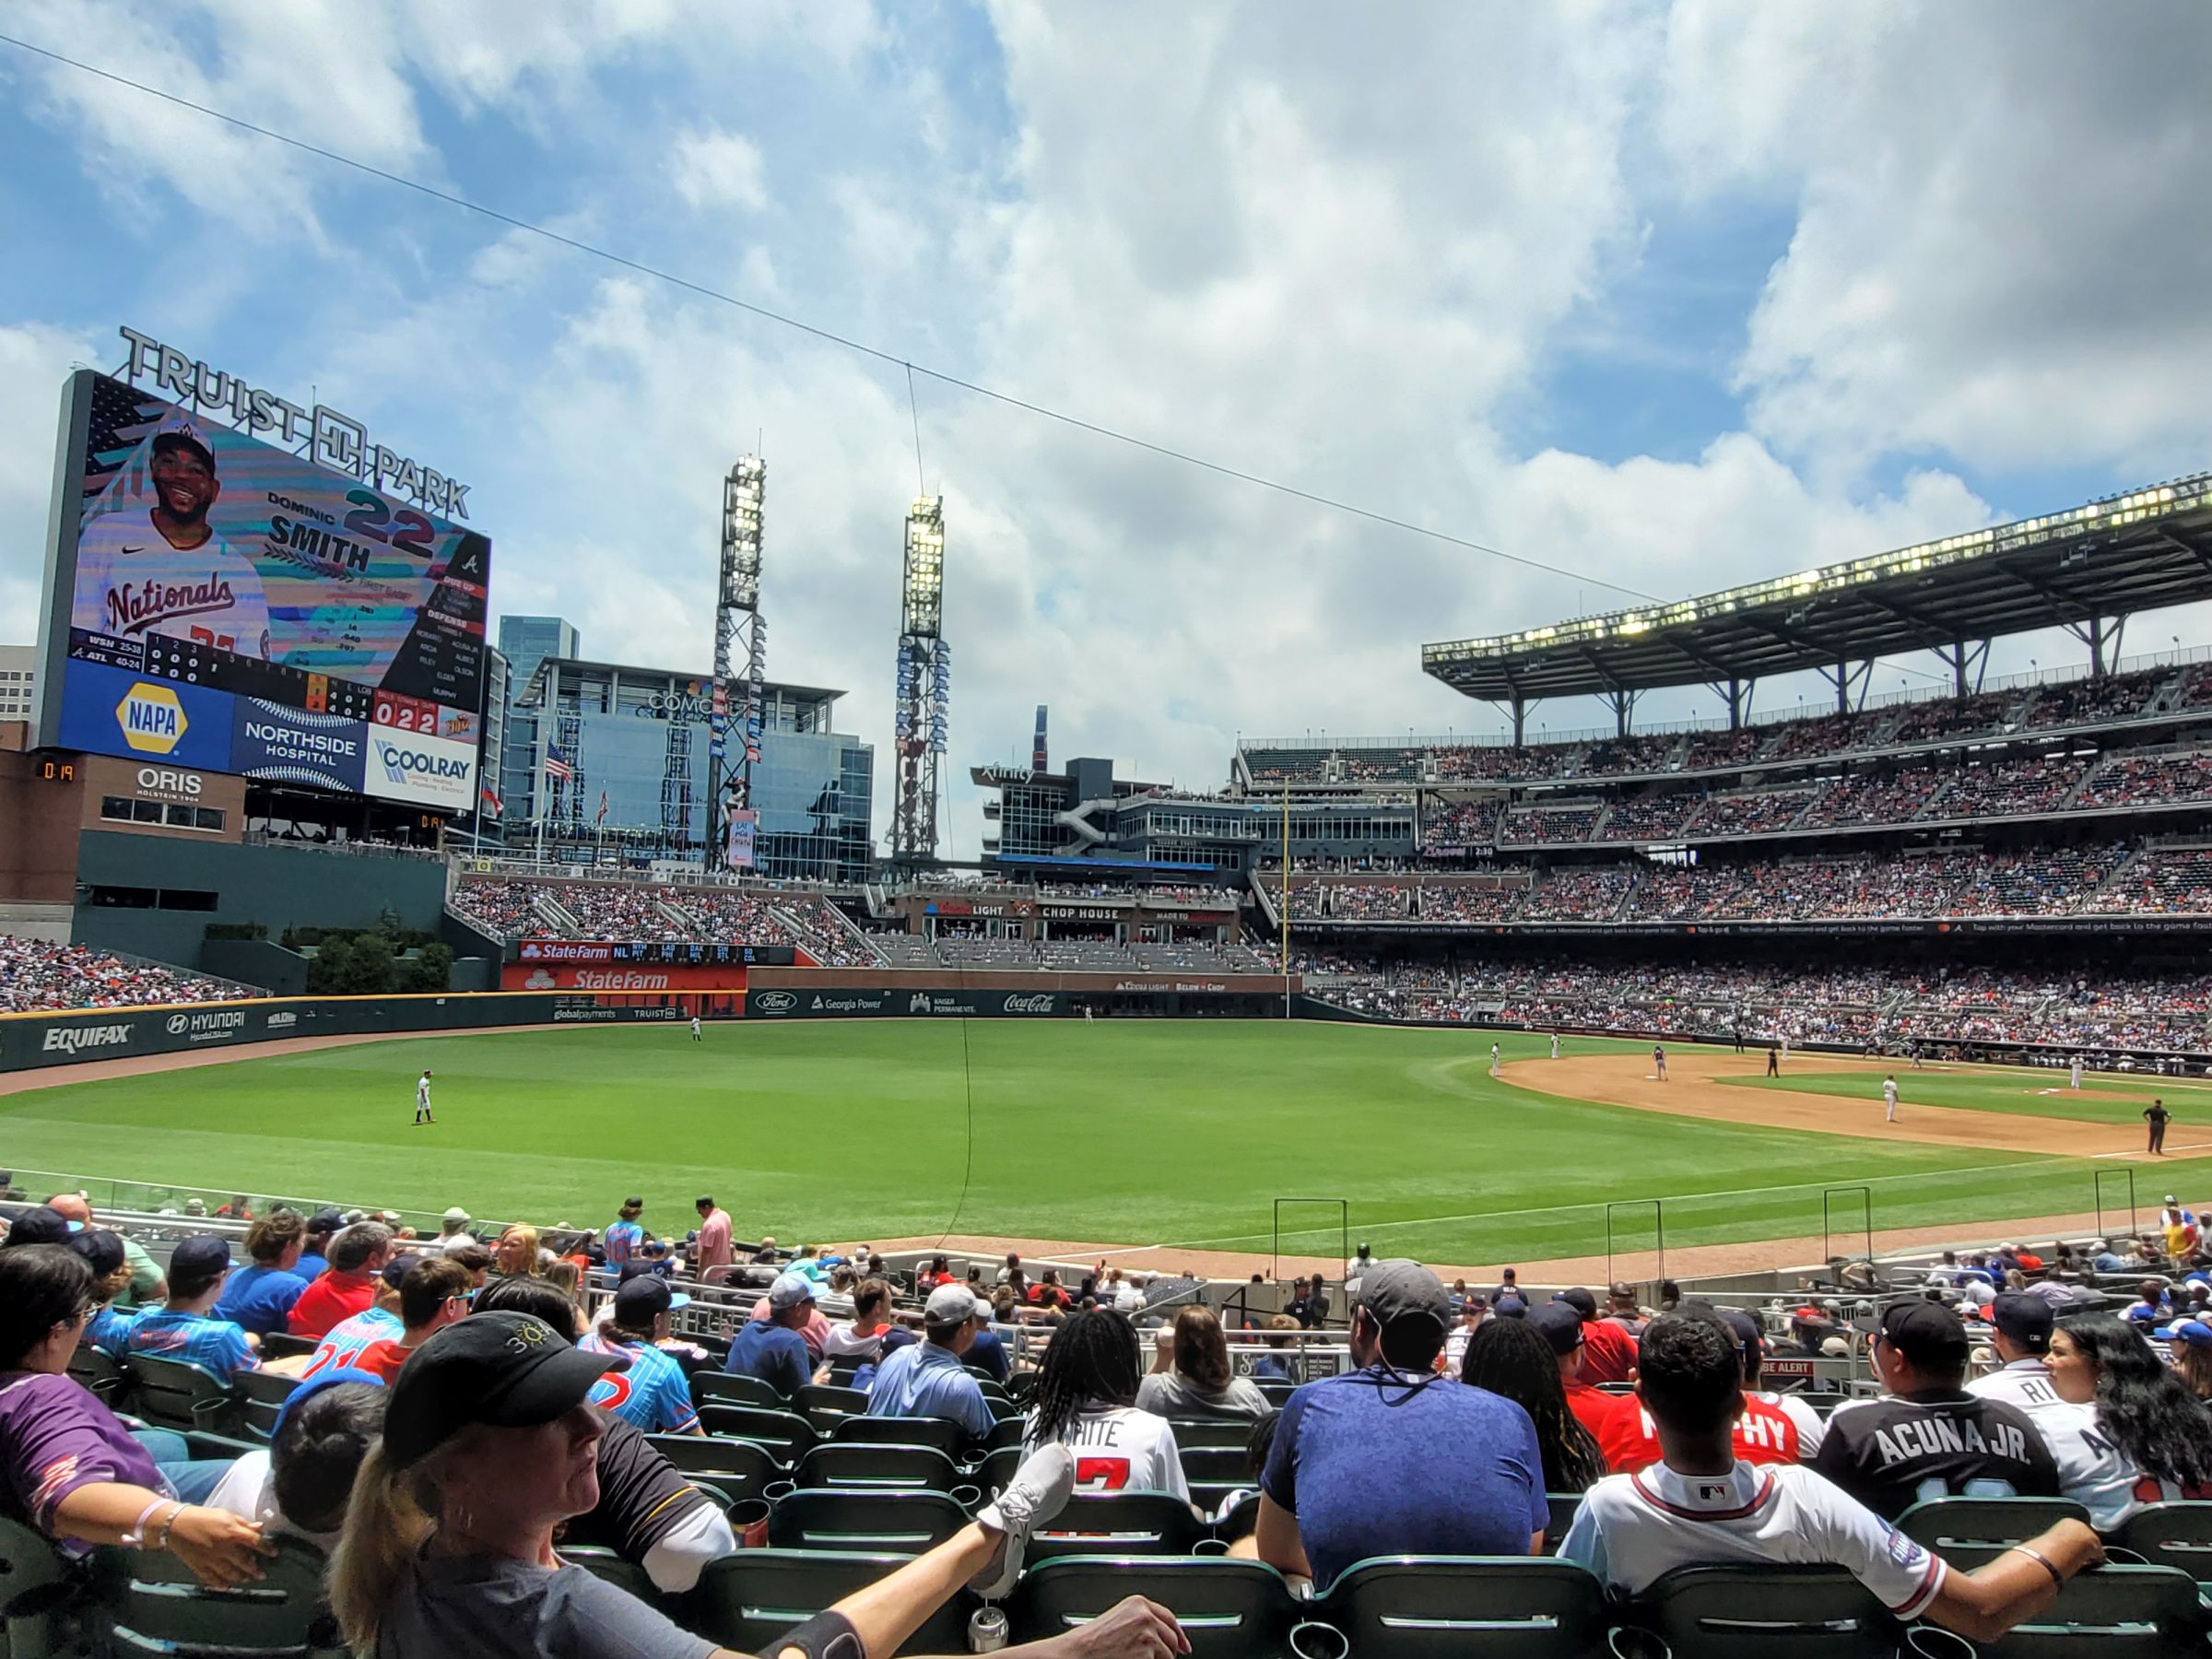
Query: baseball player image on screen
[161,568]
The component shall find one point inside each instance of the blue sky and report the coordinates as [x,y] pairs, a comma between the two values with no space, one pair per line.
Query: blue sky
[1674,296]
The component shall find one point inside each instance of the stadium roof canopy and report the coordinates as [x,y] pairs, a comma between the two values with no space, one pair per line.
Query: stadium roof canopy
[2136,552]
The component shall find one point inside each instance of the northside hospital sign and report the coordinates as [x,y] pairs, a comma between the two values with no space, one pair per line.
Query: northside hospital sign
[336,440]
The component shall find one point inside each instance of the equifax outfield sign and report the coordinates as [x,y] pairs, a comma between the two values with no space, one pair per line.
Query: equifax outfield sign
[337,442]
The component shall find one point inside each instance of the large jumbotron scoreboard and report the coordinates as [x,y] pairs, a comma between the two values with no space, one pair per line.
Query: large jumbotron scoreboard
[221,602]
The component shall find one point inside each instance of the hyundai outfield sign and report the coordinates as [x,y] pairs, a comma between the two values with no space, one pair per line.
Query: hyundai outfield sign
[422,770]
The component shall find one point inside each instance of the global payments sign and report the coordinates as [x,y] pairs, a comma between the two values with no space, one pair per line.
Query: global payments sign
[422,770]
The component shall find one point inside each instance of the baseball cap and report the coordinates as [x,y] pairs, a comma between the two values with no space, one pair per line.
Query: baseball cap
[2194,1332]
[790,1289]
[201,1256]
[99,1247]
[947,1304]
[510,1371]
[645,1297]
[457,1214]
[1398,1289]
[1750,1338]
[396,1268]
[38,1225]
[1580,1300]
[328,1220]
[1925,1333]
[2025,1318]
[1559,1325]
[319,1383]
[179,429]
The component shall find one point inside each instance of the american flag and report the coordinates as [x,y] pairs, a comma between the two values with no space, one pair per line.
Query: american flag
[557,768]
[491,796]
[602,817]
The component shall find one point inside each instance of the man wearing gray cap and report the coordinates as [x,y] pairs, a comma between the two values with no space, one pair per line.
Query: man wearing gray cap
[926,1378]
[1393,1459]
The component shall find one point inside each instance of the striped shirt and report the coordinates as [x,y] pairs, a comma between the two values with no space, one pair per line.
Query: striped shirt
[109,1330]
[350,1338]
[653,1394]
[214,1345]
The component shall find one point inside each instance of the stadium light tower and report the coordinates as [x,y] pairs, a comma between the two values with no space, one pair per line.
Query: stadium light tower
[736,620]
[921,706]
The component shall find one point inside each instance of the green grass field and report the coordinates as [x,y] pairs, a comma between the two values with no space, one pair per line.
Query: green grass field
[2036,1093]
[1141,1134]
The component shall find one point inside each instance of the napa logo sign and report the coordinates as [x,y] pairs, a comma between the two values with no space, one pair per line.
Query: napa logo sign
[152,718]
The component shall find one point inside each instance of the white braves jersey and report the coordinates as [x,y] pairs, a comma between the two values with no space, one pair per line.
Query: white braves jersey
[130,582]
[1632,1529]
[2091,1469]
[1121,1449]
[1890,1093]
[422,1091]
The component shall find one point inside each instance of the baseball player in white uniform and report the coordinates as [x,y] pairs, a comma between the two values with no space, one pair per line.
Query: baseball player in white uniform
[1497,1061]
[162,570]
[2073,1073]
[695,1028]
[1555,1045]
[1889,1099]
[422,1098]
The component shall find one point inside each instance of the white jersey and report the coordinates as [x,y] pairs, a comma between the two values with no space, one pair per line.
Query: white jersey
[1889,1094]
[422,1091]
[2091,1469]
[1633,1529]
[1812,1429]
[1554,1047]
[1121,1449]
[131,582]
[694,1024]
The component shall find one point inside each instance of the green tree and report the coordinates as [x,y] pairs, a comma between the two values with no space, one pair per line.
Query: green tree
[433,971]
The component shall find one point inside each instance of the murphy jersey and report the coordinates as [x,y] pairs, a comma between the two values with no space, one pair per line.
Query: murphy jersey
[1904,1448]
[130,582]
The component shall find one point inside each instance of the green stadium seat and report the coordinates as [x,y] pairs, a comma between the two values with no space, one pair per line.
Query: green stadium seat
[1275,1389]
[1192,1432]
[1503,1608]
[2113,1613]
[1228,1608]
[2171,1534]
[1766,1613]
[786,1433]
[1972,1532]
[944,1435]
[747,1600]
[991,1473]
[1119,1524]
[264,1393]
[1239,1520]
[158,1607]
[104,1377]
[905,1468]
[1215,1464]
[1006,1431]
[736,1390]
[740,1467]
[1565,1506]
[608,1564]
[41,1595]
[881,1522]
[825,1406]
[277,1345]
[173,1396]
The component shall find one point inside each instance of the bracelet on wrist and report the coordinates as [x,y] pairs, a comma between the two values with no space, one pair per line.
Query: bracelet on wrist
[2043,1560]
[134,1537]
[169,1524]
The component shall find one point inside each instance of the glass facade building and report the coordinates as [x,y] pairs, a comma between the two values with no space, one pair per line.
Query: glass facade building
[526,641]
[635,742]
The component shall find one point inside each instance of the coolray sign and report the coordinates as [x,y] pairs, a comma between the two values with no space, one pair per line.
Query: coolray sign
[75,1039]
[428,772]
[340,442]
[211,1025]
[286,745]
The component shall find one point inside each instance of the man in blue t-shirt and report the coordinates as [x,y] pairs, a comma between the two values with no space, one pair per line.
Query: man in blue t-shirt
[653,1393]
[772,1349]
[256,1299]
[185,1330]
[1394,1459]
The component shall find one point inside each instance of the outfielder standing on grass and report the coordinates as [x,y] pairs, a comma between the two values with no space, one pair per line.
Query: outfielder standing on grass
[1889,1099]
[422,1097]
[2156,1115]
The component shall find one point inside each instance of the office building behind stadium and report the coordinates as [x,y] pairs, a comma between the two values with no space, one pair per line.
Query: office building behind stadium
[633,745]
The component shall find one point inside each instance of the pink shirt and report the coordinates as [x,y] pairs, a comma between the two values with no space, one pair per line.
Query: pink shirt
[714,1239]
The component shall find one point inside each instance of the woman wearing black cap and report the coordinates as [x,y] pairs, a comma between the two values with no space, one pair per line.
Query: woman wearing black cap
[489,1446]
[68,1467]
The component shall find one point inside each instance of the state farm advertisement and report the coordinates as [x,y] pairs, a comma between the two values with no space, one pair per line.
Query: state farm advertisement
[623,976]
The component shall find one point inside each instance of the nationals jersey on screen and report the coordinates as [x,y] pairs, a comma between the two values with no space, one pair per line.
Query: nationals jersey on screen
[130,582]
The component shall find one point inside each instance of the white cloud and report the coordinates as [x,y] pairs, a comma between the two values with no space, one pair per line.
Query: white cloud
[35,358]
[718,169]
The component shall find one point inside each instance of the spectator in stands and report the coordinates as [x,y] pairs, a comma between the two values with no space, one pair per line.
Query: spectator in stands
[147,1285]
[1200,1383]
[314,1255]
[433,1292]
[186,1329]
[1926,1435]
[986,1352]
[68,1467]
[1049,1293]
[770,1347]
[927,1379]
[452,1230]
[258,1297]
[1608,1350]
[299,1483]
[1560,1328]
[1007,1272]
[938,1272]
[862,1338]
[2189,1345]
[713,1250]
[1273,1366]
[653,1393]
[1086,1399]
[1622,1309]
[2155,1431]
[357,1256]
[1702,1506]
[105,1328]
[487,1448]
[1343,1440]
[1513,1359]
[625,1233]
[1771,1428]
[517,1254]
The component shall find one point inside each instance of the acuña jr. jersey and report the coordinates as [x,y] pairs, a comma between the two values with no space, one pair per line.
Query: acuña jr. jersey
[130,582]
